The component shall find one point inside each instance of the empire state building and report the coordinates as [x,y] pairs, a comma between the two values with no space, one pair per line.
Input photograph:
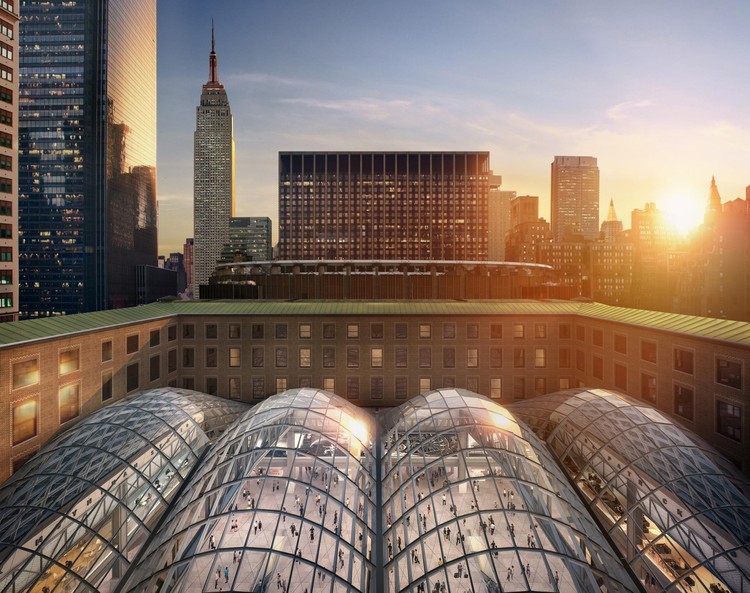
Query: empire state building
[213,174]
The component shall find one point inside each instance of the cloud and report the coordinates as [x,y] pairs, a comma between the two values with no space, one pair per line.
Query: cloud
[621,110]
[366,107]
[263,78]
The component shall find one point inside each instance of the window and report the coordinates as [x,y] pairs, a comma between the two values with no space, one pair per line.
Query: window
[519,330]
[648,388]
[257,331]
[25,373]
[425,357]
[69,361]
[401,387]
[519,358]
[621,344]
[519,387]
[472,384]
[401,358]
[281,357]
[259,387]
[329,357]
[621,377]
[172,360]
[6,95]
[188,358]
[597,337]
[6,117]
[598,367]
[154,367]
[69,402]
[540,358]
[472,358]
[281,330]
[376,331]
[376,358]
[564,383]
[496,387]
[352,387]
[352,357]
[648,351]
[188,331]
[449,331]
[449,358]
[257,357]
[449,382]
[305,381]
[235,356]
[683,402]
[212,358]
[235,333]
[496,358]
[132,376]
[6,140]
[305,331]
[540,330]
[425,331]
[305,358]
[472,331]
[235,387]
[6,253]
[329,384]
[131,344]
[580,360]
[683,361]
[376,387]
[171,333]
[496,331]
[6,208]
[580,333]
[188,382]
[329,331]
[6,277]
[729,373]
[106,385]
[280,384]
[6,230]
[563,358]
[401,331]
[212,385]
[424,384]
[154,338]
[212,331]
[540,386]
[729,420]
[6,28]
[352,331]
[25,420]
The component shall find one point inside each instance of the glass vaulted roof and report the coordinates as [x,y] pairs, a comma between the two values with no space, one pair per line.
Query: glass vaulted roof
[678,512]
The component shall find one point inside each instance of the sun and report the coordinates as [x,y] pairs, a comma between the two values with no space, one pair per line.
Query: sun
[683,210]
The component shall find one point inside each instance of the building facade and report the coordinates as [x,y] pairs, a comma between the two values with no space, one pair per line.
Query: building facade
[383,206]
[87,153]
[249,239]
[9,73]
[499,218]
[574,211]
[213,175]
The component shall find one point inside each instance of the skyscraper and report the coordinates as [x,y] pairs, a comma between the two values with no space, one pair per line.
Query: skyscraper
[498,209]
[575,198]
[249,239]
[391,206]
[87,153]
[213,174]
[612,226]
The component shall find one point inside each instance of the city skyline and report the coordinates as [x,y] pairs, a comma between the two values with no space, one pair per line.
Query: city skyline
[650,93]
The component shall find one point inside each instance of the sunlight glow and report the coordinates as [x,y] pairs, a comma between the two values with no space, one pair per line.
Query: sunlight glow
[683,210]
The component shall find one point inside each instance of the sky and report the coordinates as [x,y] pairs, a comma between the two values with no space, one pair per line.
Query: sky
[657,91]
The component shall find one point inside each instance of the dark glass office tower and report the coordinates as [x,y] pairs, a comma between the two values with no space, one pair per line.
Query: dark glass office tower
[87,153]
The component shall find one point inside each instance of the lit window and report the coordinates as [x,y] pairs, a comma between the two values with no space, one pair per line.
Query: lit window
[425,331]
[234,357]
[69,402]
[305,331]
[376,358]
[540,330]
[280,384]
[472,358]
[540,358]
[519,330]
[496,387]
[424,384]
[352,330]
[305,358]
[25,420]
[329,384]
[69,361]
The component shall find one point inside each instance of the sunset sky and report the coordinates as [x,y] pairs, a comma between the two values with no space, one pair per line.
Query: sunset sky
[658,91]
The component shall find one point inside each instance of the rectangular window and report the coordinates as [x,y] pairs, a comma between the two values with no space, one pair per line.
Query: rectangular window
[70,402]
[621,377]
[598,367]
[154,367]
[6,117]
[352,357]
[449,382]
[376,331]
[564,331]
[171,333]
[683,361]
[496,387]
[329,384]
[235,331]
[540,358]
[519,388]
[329,331]
[648,351]
[305,331]
[352,387]
[449,331]
[496,358]
[424,384]
[519,331]
[259,387]
[540,386]
[132,344]
[257,357]
[188,358]
[305,358]
[25,373]
[281,331]
[683,402]
[257,331]
[132,377]
[472,358]
[401,357]
[540,330]
[235,357]
[472,384]
[281,384]
[519,358]
[212,385]
[235,387]
[597,337]
[106,385]
[212,331]
[212,358]
[496,331]
[305,381]
[376,358]
[425,357]
[6,140]
[563,356]
[6,208]
[188,382]
[621,344]
[729,373]
[25,420]
[6,230]
[401,331]
[352,331]
[154,338]
[580,333]
[648,388]
[6,28]
[449,358]
[329,357]
[472,331]
[172,360]
[376,387]
[580,360]
[69,361]
[401,387]
[281,357]
[729,420]
[564,383]
[6,253]
[188,331]
[425,331]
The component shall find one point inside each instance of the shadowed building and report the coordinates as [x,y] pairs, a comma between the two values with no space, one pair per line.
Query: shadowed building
[574,198]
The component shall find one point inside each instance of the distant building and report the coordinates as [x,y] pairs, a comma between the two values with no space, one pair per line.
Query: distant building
[527,230]
[153,283]
[213,184]
[612,226]
[87,153]
[383,206]
[575,198]
[189,255]
[249,239]
[176,263]
[499,218]
[572,263]
[611,272]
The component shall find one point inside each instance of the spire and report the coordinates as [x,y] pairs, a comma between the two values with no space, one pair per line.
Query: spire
[213,68]
[612,215]
[714,199]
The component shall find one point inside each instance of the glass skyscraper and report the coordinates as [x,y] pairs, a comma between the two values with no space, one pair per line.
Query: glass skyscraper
[574,198]
[87,153]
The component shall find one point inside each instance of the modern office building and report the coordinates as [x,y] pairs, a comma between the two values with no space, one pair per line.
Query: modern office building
[213,175]
[383,206]
[574,198]
[499,218]
[8,161]
[87,153]
[189,252]
[249,240]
